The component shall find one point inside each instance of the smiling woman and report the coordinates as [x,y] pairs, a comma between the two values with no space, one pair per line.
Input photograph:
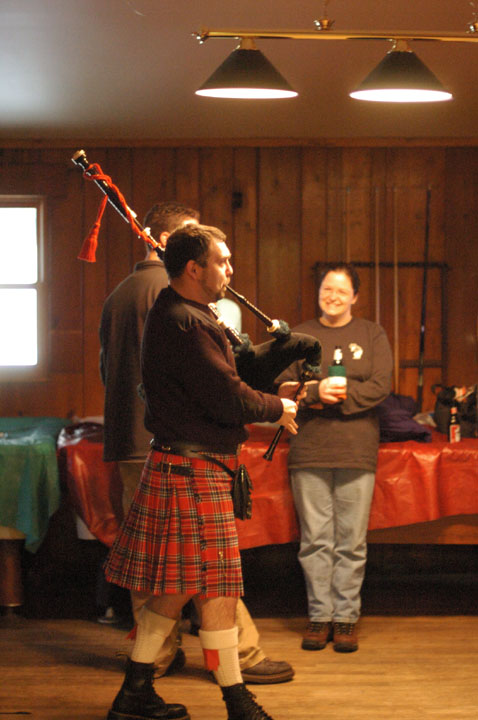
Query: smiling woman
[332,460]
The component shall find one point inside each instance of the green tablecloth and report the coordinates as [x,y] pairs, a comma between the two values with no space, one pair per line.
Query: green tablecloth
[29,480]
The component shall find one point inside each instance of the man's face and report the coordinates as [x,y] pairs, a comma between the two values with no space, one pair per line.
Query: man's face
[216,275]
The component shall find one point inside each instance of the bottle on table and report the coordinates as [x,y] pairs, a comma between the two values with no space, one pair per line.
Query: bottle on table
[337,373]
[454,432]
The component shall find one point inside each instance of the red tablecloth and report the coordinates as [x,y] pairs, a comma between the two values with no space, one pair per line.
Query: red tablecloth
[415,483]
[94,487]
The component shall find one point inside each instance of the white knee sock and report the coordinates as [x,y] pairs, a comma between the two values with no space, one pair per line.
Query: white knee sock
[152,631]
[220,655]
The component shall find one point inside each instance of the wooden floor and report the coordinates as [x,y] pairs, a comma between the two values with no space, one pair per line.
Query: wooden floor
[407,668]
[418,656]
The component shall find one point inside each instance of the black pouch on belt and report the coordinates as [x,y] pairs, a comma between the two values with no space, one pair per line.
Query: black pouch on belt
[240,490]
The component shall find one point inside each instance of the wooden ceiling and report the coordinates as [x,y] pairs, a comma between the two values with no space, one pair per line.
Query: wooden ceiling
[127,70]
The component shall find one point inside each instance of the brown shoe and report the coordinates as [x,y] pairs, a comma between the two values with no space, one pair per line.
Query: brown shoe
[267,672]
[345,637]
[317,635]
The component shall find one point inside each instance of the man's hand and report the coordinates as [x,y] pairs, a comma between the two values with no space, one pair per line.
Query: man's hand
[289,411]
[288,390]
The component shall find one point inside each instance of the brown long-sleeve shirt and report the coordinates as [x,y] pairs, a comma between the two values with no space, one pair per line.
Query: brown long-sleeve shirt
[345,435]
[121,329]
[193,392]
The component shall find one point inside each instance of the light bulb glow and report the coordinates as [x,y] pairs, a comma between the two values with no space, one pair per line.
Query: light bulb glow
[401,95]
[247,93]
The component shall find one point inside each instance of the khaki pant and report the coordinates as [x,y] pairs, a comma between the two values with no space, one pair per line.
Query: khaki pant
[249,651]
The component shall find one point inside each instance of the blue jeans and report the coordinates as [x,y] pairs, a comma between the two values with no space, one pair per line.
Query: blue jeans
[333,505]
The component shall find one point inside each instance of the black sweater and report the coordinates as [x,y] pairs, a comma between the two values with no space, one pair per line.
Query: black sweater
[193,392]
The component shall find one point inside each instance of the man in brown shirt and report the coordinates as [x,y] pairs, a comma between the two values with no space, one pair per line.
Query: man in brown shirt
[179,539]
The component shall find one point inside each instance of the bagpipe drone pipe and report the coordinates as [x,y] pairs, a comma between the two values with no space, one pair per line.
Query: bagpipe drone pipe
[257,365]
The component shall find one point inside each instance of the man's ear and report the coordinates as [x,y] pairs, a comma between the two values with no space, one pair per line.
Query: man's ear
[355,299]
[163,239]
[191,269]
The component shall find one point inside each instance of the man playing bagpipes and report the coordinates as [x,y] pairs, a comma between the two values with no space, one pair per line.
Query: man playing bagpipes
[126,440]
[261,364]
[179,539]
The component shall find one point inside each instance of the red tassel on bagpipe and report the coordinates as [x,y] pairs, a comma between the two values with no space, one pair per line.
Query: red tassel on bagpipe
[88,249]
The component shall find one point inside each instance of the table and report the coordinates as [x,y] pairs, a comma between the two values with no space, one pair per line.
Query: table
[94,486]
[29,493]
[417,484]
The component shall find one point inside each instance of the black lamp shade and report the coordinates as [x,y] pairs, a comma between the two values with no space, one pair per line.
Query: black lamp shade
[246,74]
[401,77]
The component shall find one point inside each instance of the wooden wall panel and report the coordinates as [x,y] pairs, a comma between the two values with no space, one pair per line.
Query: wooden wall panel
[187,177]
[313,226]
[279,250]
[462,257]
[65,237]
[334,230]
[283,209]
[244,204]
[215,187]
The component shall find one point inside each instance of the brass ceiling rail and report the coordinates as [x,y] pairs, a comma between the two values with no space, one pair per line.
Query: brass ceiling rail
[206,34]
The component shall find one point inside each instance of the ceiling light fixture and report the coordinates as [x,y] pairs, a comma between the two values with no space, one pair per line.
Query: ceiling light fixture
[401,77]
[407,79]
[246,74]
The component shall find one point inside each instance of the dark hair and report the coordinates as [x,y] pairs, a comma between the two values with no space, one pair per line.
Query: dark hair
[343,267]
[190,242]
[167,216]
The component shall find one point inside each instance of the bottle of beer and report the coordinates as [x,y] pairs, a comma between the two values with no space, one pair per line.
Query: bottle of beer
[454,432]
[337,373]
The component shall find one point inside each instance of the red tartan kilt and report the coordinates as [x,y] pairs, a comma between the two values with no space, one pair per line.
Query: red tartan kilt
[180,534]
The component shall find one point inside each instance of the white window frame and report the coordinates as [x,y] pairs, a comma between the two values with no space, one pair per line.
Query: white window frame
[31,372]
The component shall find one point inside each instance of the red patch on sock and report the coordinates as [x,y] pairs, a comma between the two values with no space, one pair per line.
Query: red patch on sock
[211,659]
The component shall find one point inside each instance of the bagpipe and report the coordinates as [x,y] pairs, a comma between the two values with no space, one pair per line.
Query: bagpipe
[257,365]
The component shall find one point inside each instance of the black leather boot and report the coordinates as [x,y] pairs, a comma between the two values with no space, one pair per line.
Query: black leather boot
[241,704]
[137,699]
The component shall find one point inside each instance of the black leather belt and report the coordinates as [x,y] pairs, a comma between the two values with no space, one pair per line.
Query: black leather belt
[171,469]
[191,451]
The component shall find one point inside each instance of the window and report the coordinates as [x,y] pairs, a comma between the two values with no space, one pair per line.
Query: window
[21,286]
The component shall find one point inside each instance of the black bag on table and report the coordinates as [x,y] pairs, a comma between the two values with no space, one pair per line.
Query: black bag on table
[465,401]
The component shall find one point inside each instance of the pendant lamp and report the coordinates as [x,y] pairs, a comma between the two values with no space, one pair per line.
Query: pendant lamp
[246,74]
[401,77]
